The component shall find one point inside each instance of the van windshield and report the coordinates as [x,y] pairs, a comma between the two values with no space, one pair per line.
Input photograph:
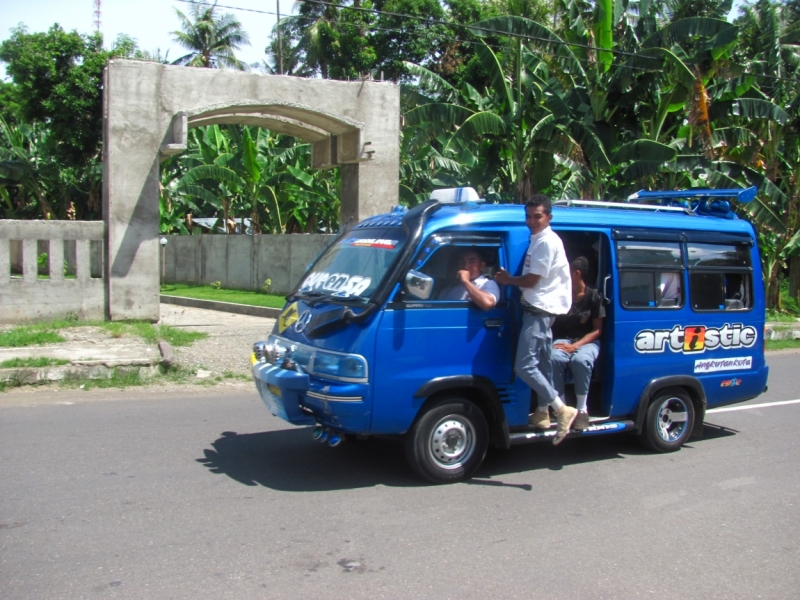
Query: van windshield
[352,268]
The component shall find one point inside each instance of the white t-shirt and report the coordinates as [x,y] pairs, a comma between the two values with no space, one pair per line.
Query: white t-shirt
[670,286]
[546,257]
[483,283]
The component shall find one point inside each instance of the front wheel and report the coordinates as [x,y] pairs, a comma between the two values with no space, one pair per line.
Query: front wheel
[449,441]
[669,421]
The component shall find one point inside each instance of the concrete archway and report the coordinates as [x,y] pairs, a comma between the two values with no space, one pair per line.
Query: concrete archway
[149,109]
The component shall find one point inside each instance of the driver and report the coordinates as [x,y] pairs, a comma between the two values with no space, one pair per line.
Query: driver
[472,283]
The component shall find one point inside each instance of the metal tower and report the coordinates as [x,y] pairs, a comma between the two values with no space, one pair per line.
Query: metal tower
[97,15]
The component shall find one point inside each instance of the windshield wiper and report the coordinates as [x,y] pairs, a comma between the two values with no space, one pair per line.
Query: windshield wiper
[312,295]
[349,299]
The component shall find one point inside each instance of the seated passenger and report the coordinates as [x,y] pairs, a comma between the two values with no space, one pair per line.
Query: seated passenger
[577,336]
[670,288]
[472,283]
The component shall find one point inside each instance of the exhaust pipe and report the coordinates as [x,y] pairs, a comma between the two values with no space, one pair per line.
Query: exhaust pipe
[323,434]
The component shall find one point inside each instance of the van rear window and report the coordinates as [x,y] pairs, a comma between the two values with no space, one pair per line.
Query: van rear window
[650,274]
[720,277]
[717,255]
[648,254]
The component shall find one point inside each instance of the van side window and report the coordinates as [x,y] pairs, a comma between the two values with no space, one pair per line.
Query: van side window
[650,274]
[720,277]
[443,263]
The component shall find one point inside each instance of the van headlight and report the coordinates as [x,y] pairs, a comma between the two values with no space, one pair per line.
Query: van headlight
[344,367]
[341,366]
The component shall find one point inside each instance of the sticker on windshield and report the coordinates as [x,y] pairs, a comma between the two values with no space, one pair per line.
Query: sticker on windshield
[373,243]
[342,284]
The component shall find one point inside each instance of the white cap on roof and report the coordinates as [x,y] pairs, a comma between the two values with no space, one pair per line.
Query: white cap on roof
[455,195]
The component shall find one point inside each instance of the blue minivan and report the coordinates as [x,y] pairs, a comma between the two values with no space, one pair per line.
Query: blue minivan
[364,345]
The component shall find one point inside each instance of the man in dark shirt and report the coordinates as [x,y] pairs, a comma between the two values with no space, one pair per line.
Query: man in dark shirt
[577,336]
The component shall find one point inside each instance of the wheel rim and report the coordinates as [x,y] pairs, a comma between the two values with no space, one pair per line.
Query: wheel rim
[673,415]
[452,442]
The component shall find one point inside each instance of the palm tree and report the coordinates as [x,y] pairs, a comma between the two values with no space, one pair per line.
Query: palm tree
[210,38]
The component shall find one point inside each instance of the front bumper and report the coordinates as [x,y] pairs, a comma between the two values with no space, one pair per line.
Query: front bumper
[281,390]
[296,398]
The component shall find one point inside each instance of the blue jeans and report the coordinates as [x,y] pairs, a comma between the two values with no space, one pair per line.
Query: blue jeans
[579,362]
[533,357]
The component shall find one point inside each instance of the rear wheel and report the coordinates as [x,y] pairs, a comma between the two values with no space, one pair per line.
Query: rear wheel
[669,421]
[449,441]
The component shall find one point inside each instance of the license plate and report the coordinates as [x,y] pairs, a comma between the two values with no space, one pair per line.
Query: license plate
[274,390]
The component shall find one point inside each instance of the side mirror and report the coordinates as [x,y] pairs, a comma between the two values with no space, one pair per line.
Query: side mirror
[419,285]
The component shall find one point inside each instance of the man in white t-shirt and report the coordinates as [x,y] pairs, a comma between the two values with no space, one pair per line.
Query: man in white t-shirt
[472,283]
[546,292]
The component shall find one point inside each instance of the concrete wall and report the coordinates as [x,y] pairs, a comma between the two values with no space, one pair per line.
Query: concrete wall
[96,249]
[148,109]
[26,297]
[241,261]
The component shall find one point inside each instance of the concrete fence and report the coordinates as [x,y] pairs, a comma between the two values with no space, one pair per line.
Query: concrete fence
[241,261]
[51,269]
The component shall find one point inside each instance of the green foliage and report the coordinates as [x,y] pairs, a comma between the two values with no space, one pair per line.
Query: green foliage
[180,337]
[782,344]
[121,377]
[35,362]
[237,172]
[57,76]
[51,127]
[32,335]
[573,99]
[345,40]
[202,292]
[151,333]
[211,39]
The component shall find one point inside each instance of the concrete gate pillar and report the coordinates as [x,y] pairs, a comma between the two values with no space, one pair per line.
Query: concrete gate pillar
[150,107]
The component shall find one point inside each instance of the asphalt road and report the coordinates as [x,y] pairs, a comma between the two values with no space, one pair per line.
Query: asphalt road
[136,495]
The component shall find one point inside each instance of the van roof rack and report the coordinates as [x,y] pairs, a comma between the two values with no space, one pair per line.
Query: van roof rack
[701,201]
[625,205]
[743,195]
[708,202]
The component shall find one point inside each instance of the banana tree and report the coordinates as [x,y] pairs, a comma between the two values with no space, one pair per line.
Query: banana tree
[21,169]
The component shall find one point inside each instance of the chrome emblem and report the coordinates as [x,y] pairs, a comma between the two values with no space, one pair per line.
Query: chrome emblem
[303,321]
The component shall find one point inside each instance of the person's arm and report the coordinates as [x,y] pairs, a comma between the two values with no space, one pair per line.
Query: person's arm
[484,300]
[537,259]
[594,334]
[528,280]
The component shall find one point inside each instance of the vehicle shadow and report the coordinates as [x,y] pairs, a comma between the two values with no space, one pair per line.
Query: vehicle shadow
[573,451]
[288,460]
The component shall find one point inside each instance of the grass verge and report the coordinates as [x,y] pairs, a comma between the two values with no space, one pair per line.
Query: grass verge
[125,378]
[47,332]
[206,292]
[30,335]
[34,362]
[782,344]
[773,316]
[153,333]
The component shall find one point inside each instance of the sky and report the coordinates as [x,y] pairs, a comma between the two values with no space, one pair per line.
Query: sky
[148,21]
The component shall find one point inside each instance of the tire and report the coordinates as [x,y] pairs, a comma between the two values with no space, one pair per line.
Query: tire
[449,441]
[669,421]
